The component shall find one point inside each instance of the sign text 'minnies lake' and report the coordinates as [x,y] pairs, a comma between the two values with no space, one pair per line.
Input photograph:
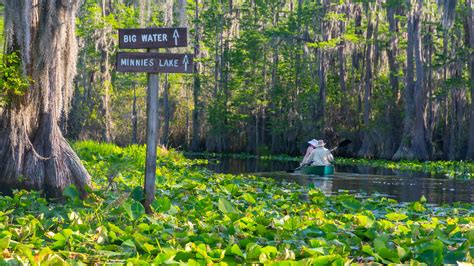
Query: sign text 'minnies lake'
[154,62]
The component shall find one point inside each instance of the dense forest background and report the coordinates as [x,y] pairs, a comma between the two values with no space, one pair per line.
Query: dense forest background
[396,77]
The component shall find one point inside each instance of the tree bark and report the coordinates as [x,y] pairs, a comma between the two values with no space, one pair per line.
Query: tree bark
[273,86]
[166,85]
[404,151]
[33,151]
[167,112]
[418,147]
[105,79]
[105,82]
[392,112]
[152,107]
[392,52]
[342,69]
[430,125]
[470,150]
[134,116]
[196,138]
[322,91]
[322,73]
[413,143]
[366,149]
[182,12]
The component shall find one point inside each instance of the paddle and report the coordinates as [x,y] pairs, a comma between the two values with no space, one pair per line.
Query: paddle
[340,145]
[344,143]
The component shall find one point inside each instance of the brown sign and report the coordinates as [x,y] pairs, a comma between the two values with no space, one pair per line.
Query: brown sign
[153,38]
[154,62]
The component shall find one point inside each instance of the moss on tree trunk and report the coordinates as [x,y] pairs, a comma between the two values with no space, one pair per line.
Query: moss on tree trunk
[33,151]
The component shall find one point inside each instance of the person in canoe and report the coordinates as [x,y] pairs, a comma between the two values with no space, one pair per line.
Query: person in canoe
[312,145]
[320,155]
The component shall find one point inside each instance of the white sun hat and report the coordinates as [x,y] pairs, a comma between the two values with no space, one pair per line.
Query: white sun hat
[313,143]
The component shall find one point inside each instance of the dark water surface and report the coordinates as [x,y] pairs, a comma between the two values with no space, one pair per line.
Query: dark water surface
[404,186]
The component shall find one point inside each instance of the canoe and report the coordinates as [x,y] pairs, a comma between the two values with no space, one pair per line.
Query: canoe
[318,170]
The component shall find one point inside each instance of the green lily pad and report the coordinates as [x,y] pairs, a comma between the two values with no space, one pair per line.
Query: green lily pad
[226,207]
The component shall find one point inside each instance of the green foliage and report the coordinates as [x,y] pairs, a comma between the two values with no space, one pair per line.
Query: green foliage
[2,25]
[453,169]
[204,218]
[264,65]
[12,80]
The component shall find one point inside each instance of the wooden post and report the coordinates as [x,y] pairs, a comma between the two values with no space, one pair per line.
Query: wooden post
[151,138]
[134,116]
[153,62]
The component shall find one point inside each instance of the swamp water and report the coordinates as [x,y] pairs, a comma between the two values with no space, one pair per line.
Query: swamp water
[403,186]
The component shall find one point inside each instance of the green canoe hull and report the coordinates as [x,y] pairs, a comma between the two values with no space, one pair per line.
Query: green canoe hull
[318,170]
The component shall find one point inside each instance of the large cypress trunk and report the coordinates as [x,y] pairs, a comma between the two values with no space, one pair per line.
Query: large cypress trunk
[33,151]
[342,69]
[367,147]
[103,44]
[413,143]
[404,151]
[418,147]
[392,112]
[470,19]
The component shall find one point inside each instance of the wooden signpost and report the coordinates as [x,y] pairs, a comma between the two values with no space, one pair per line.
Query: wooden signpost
[152,63]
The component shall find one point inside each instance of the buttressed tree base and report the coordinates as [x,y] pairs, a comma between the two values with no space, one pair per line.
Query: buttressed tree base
[33,151]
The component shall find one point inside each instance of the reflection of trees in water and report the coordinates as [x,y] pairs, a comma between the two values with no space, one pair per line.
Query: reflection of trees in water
[325,185]
[405,186]
[436,191]
[238,166]
[369,170]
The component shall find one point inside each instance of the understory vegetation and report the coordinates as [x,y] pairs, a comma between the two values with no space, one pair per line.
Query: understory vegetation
[204,218]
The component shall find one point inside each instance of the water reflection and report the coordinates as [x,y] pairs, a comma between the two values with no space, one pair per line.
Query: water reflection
[239,166]
[405,186]
[405,189]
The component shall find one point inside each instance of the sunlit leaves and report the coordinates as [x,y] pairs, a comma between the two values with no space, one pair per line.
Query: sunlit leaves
[350,203]
[292,223]
[162,204]
[226,207]
[203,218]
[133,209]
[12,80]
[249,198]
[363,220]
[5,238]
[393,216]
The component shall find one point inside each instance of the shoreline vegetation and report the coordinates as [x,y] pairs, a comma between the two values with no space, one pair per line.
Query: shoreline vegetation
[450,169]
[201,218]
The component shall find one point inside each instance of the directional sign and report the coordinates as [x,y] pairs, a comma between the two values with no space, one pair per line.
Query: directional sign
[153,38]
[154,62]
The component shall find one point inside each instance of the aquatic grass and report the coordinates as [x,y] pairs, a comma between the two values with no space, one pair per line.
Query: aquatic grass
[201,218]
[280,157]
[452,169]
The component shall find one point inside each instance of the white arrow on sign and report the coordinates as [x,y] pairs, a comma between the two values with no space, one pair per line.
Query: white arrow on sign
[176,36]
[185,62]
